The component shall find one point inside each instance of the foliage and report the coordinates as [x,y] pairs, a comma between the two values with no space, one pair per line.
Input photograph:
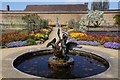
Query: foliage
[117,19]
[71,23]
[31,41]
[15,39]
[77,25]
[46,36]
[42,33]
[95,18]
[34,22]
[82,27]
[43,23]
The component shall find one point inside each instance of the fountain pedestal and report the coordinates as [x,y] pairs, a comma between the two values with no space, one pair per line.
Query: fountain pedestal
[54,62]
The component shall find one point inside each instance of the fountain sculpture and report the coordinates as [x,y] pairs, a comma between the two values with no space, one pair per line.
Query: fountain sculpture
[60,58]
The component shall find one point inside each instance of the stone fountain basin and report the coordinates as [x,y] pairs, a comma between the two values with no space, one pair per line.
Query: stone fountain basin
[43,64]
[111,72]
[85,64]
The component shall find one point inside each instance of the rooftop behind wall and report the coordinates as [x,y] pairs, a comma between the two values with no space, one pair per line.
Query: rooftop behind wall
[60,7]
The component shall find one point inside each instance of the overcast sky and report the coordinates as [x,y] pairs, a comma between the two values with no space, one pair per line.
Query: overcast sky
[17,5]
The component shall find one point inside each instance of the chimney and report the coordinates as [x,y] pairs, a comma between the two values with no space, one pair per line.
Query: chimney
[86,4]
[8,8]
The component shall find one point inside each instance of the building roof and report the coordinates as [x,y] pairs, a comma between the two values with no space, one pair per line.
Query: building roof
[58,7]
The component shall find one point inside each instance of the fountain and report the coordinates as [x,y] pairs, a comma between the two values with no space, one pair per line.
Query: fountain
[60,58]
[64,61]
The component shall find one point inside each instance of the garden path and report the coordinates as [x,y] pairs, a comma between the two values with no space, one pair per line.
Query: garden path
[52,36]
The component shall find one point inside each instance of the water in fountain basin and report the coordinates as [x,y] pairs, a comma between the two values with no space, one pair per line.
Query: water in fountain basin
[38,66]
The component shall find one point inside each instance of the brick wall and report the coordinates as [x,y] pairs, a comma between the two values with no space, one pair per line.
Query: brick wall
[15,17]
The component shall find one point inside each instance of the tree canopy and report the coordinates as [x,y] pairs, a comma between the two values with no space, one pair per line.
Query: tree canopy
[117,19]
[34,22]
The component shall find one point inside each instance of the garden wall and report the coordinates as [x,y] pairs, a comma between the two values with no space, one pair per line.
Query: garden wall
[14,17]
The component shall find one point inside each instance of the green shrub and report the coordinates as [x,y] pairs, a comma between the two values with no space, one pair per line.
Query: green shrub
[117,19]
[46,36]
[31,41]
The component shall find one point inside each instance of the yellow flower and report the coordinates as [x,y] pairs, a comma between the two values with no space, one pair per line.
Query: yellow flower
[70,30]
[45,30]
[38,35]
[77,34]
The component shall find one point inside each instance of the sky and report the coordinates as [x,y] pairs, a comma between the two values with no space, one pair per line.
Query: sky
[17,5]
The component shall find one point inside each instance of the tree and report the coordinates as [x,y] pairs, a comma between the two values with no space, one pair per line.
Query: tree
[78,25]
[71,23]
[95,18]
[32,20]
[117,19]
[43,23]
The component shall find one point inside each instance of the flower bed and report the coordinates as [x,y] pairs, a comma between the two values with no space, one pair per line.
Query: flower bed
[66,28]
[42,34]
[16,39]
[16,44]
[113,45]
[77,34]
[108,41]
[15,36]
[92,43]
